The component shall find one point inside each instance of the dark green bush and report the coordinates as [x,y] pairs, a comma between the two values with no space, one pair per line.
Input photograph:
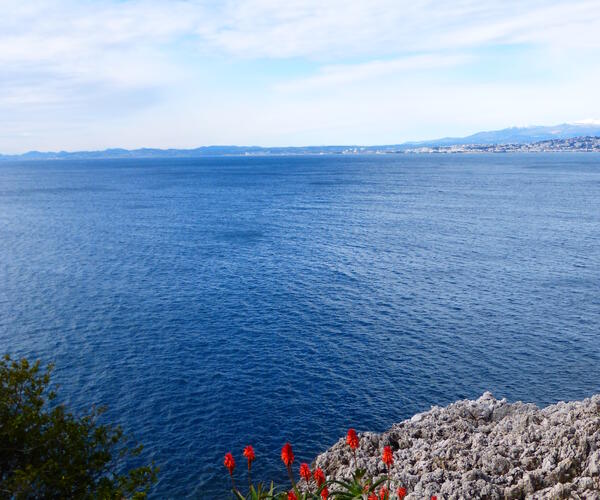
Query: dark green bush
[47,452]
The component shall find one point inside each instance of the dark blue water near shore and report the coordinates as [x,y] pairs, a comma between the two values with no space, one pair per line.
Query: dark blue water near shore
[218,302]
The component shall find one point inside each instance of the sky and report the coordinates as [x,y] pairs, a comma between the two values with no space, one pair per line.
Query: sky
[92,74]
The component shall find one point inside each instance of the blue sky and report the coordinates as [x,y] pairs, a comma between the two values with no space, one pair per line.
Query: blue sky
[91,74]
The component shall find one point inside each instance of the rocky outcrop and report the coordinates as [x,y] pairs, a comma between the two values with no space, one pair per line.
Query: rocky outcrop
[486,448]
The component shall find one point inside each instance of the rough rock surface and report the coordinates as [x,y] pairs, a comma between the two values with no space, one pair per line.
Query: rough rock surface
[486,448]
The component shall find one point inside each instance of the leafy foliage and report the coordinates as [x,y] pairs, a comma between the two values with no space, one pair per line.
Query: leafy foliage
[260,492]
[359,487]
[314,484]
[47,452]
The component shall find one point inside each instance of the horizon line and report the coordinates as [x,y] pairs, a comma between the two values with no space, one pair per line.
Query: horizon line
[583,123]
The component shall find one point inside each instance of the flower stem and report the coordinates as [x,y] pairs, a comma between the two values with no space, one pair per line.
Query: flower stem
[289,469]
[388,481]
[233,485]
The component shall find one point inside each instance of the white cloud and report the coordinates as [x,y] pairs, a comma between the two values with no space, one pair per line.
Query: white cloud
[336,75]
[137,69]
[337,28]
[66,32]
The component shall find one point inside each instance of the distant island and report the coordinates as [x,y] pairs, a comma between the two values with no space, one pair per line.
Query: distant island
[582,136]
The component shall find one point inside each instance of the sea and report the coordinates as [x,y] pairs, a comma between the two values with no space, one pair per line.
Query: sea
[223,301]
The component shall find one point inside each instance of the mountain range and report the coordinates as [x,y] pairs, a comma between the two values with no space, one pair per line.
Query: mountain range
[512,135]
[519,135]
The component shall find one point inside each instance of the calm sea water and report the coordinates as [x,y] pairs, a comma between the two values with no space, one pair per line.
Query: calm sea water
[218,302]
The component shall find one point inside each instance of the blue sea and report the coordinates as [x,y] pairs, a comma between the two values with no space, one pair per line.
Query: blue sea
[216,302]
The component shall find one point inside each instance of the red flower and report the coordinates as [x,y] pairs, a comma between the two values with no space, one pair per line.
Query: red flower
[287,455]
[229,463]
[433,497]
[292,495]
[372,496]
[319,477]
[352,439]
[324,493]
[387,457]
[249,454]
[305,472]
[383,493]
[401,493]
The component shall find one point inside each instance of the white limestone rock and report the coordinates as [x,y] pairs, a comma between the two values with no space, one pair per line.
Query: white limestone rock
[488,449]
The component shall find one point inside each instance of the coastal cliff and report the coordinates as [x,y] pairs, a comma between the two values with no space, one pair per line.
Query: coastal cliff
[486,448]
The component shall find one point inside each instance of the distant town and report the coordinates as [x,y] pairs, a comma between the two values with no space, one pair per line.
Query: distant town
[589,144]
[571,144]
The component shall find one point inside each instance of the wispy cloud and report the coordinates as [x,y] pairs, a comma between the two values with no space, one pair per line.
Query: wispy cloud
[311,28]
[348,74]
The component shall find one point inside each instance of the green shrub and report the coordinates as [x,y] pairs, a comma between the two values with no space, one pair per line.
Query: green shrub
[47,452]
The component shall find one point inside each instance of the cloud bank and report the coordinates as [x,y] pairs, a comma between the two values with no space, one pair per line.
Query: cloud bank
[88,74]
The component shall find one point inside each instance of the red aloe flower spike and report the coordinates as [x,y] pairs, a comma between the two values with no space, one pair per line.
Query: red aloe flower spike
[324,493]
[383,493]
[387,456]
[401,493]
[229,462]
[292,495]
[388,460]
[305,472]
[319,476]
[372,496]
[249,454]
[352,439]
[287,455]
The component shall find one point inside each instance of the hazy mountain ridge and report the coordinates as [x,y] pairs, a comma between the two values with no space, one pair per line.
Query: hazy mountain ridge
[518,135]
[117,153]
[509,139]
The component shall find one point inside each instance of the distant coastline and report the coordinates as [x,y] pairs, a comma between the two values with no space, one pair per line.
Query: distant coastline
[565,137]
[576,144]
[584,144]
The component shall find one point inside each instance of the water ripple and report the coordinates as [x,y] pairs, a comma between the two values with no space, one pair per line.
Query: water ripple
[218,302]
